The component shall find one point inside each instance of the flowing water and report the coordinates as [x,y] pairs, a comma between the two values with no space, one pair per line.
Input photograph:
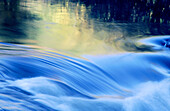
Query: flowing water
[82,55]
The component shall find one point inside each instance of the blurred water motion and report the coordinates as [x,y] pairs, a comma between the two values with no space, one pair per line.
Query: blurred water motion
[34,78]
[121,56]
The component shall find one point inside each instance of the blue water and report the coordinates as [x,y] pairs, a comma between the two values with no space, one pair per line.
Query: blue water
[38,79]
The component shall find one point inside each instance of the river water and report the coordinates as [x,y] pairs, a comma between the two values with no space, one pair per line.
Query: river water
[82,55]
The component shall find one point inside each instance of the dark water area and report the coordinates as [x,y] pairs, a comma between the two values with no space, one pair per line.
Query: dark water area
[96,26]
[84,55]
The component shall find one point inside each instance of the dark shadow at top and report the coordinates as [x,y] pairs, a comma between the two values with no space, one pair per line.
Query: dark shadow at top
[149,11]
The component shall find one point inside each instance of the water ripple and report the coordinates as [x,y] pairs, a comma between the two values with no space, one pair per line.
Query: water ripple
[34,78]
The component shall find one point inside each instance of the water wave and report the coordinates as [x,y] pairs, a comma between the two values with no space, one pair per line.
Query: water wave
[39,79]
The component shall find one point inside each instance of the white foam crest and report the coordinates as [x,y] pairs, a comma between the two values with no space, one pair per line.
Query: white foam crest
[149,96]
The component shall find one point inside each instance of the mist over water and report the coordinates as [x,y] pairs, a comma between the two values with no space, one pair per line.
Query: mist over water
[82,55]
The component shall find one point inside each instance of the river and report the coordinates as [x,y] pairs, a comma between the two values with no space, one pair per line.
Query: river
[83,55]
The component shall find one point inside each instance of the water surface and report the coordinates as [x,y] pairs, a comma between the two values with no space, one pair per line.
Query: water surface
[82,55]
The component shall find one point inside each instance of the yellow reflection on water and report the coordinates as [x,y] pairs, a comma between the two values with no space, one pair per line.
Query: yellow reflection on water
[65,26]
